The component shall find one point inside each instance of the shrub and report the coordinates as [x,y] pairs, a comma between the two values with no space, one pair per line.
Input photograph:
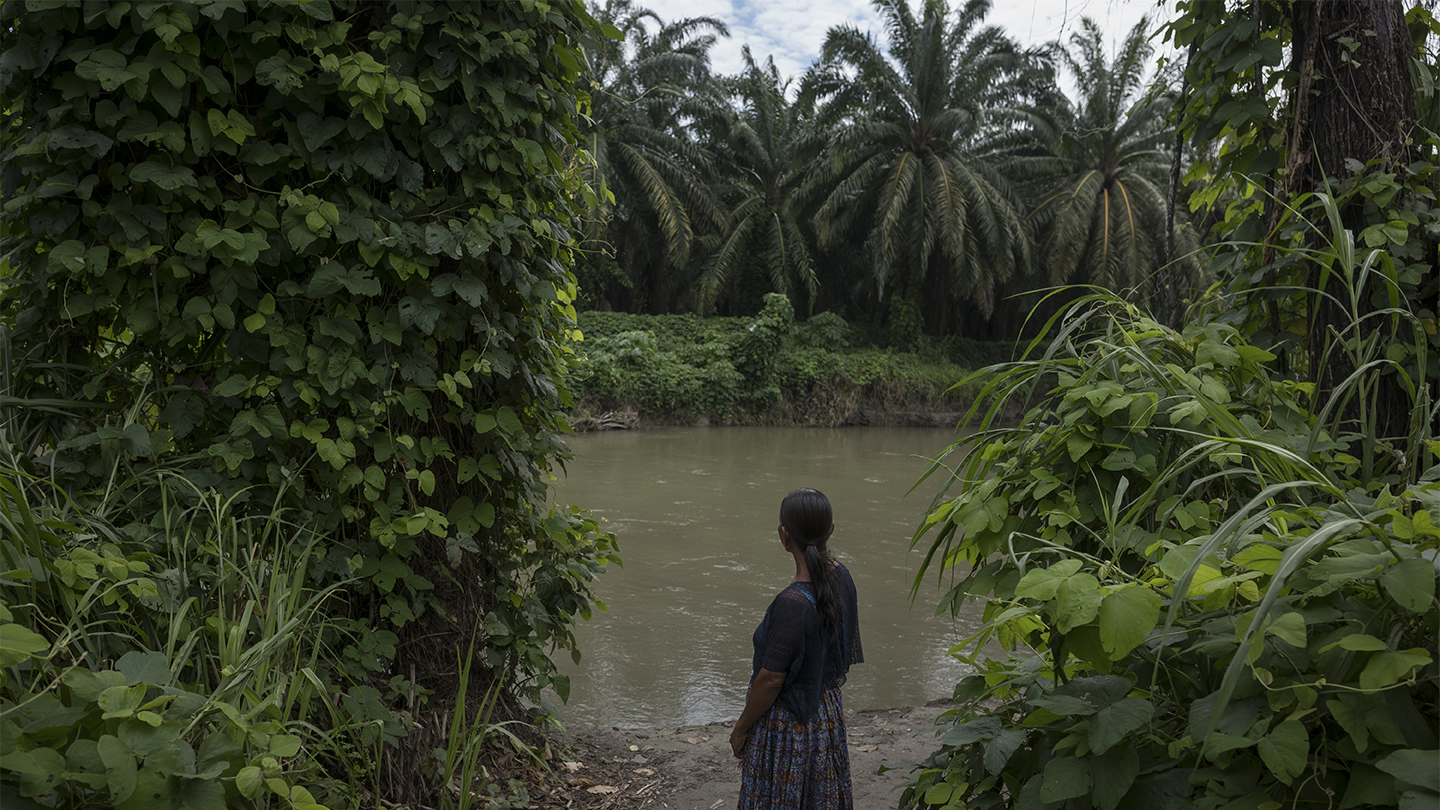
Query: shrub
[315,249]
[140,673]
[1215,606]
[763,369]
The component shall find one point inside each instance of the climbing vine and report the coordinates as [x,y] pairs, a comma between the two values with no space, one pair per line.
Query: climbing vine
[320,248]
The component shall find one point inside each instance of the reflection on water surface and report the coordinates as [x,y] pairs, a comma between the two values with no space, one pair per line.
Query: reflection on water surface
[695,510]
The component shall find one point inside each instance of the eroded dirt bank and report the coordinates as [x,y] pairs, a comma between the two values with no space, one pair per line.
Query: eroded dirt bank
[691,768]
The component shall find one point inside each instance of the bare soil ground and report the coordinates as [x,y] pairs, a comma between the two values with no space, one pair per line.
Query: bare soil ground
[691,768]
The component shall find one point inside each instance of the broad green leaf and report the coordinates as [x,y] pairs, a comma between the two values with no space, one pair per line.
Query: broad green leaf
[1126,617]
[69,254]
[45,764]
[88,685]
[144,738]
[1254,354]
[1352,720]
[1066,777]
[1077,601]
[143,667]
[1414,766]
[980,728]
[1258,557]
[19,643]
[1419,800]
[1110,725]
[999,749]
[1113,774]
[1345,568]
[163,176]
[154,789]
[1042,583]
[248,781]
[1368,787]
[1386,668]
[1289,628]
[1284,750]
[83,760]
[121,701]
[508,421]
[1216,353]
[120,767]
[938,794]
[200,793]
[284,745]
[234,385]
[1064,705]
[1411,583]
[472,290]
[1360,642]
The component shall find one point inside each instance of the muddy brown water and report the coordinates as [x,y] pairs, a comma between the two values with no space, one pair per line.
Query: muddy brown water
[695,511]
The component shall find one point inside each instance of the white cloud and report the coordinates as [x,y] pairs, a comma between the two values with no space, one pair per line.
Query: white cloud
[793,31]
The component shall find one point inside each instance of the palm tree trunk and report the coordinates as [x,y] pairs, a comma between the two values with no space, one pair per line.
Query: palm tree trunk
[937,296]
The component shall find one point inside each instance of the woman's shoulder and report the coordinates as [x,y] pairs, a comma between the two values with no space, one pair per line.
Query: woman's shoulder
[795,597]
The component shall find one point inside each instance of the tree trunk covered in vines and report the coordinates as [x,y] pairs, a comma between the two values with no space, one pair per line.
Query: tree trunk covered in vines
[1353,100]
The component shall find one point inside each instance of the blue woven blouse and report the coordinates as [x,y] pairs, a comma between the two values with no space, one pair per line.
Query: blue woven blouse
[789,640]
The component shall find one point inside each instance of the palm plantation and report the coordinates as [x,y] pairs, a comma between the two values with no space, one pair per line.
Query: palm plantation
[644,87]
[913,164]
[922,180]
[1099,200]
[763,241]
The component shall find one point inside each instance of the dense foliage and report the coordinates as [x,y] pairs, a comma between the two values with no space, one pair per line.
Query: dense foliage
[768,369]
[1211,550]
[910,182]
[308,257]
[1210,603]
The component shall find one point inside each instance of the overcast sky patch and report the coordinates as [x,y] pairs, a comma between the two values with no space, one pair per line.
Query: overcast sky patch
[794,30]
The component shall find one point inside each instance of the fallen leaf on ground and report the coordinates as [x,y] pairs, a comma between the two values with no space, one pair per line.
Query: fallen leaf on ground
[639,759]
[645,771]
[580,781]
[696,740]
[866,748]
[602,789]
[573,766]
[634,748]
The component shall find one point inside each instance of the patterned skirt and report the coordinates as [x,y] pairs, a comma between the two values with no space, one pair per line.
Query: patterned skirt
[790,765]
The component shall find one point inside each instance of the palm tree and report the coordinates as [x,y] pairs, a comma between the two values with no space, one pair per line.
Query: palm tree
[913,164]
[1100,206]
[649,171]
[763,237]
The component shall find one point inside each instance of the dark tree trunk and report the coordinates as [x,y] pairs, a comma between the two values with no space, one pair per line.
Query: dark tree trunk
[937,300]
[1353,100]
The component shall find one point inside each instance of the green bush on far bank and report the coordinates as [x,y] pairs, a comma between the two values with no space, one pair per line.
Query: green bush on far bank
[768,369]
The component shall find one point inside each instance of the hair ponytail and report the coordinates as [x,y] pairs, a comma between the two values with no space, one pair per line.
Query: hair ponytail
[806,515]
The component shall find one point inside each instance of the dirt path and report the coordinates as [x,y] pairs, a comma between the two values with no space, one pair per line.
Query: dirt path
[691,768]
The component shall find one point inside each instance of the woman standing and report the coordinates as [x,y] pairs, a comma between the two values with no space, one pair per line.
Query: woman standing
[790,738]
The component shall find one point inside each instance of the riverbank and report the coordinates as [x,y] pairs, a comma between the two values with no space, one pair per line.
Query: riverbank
[769,370]
[586,422]
[692,768]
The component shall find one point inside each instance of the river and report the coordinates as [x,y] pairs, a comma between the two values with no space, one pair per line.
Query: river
[695,511]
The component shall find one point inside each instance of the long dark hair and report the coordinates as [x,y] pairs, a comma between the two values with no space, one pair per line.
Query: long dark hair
[806,515]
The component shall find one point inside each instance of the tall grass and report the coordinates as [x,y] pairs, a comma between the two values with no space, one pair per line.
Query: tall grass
[1216,507]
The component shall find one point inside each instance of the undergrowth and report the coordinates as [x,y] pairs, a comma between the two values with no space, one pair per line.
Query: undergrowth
[766,370]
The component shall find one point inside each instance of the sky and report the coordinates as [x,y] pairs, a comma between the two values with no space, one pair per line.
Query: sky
[793,30]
